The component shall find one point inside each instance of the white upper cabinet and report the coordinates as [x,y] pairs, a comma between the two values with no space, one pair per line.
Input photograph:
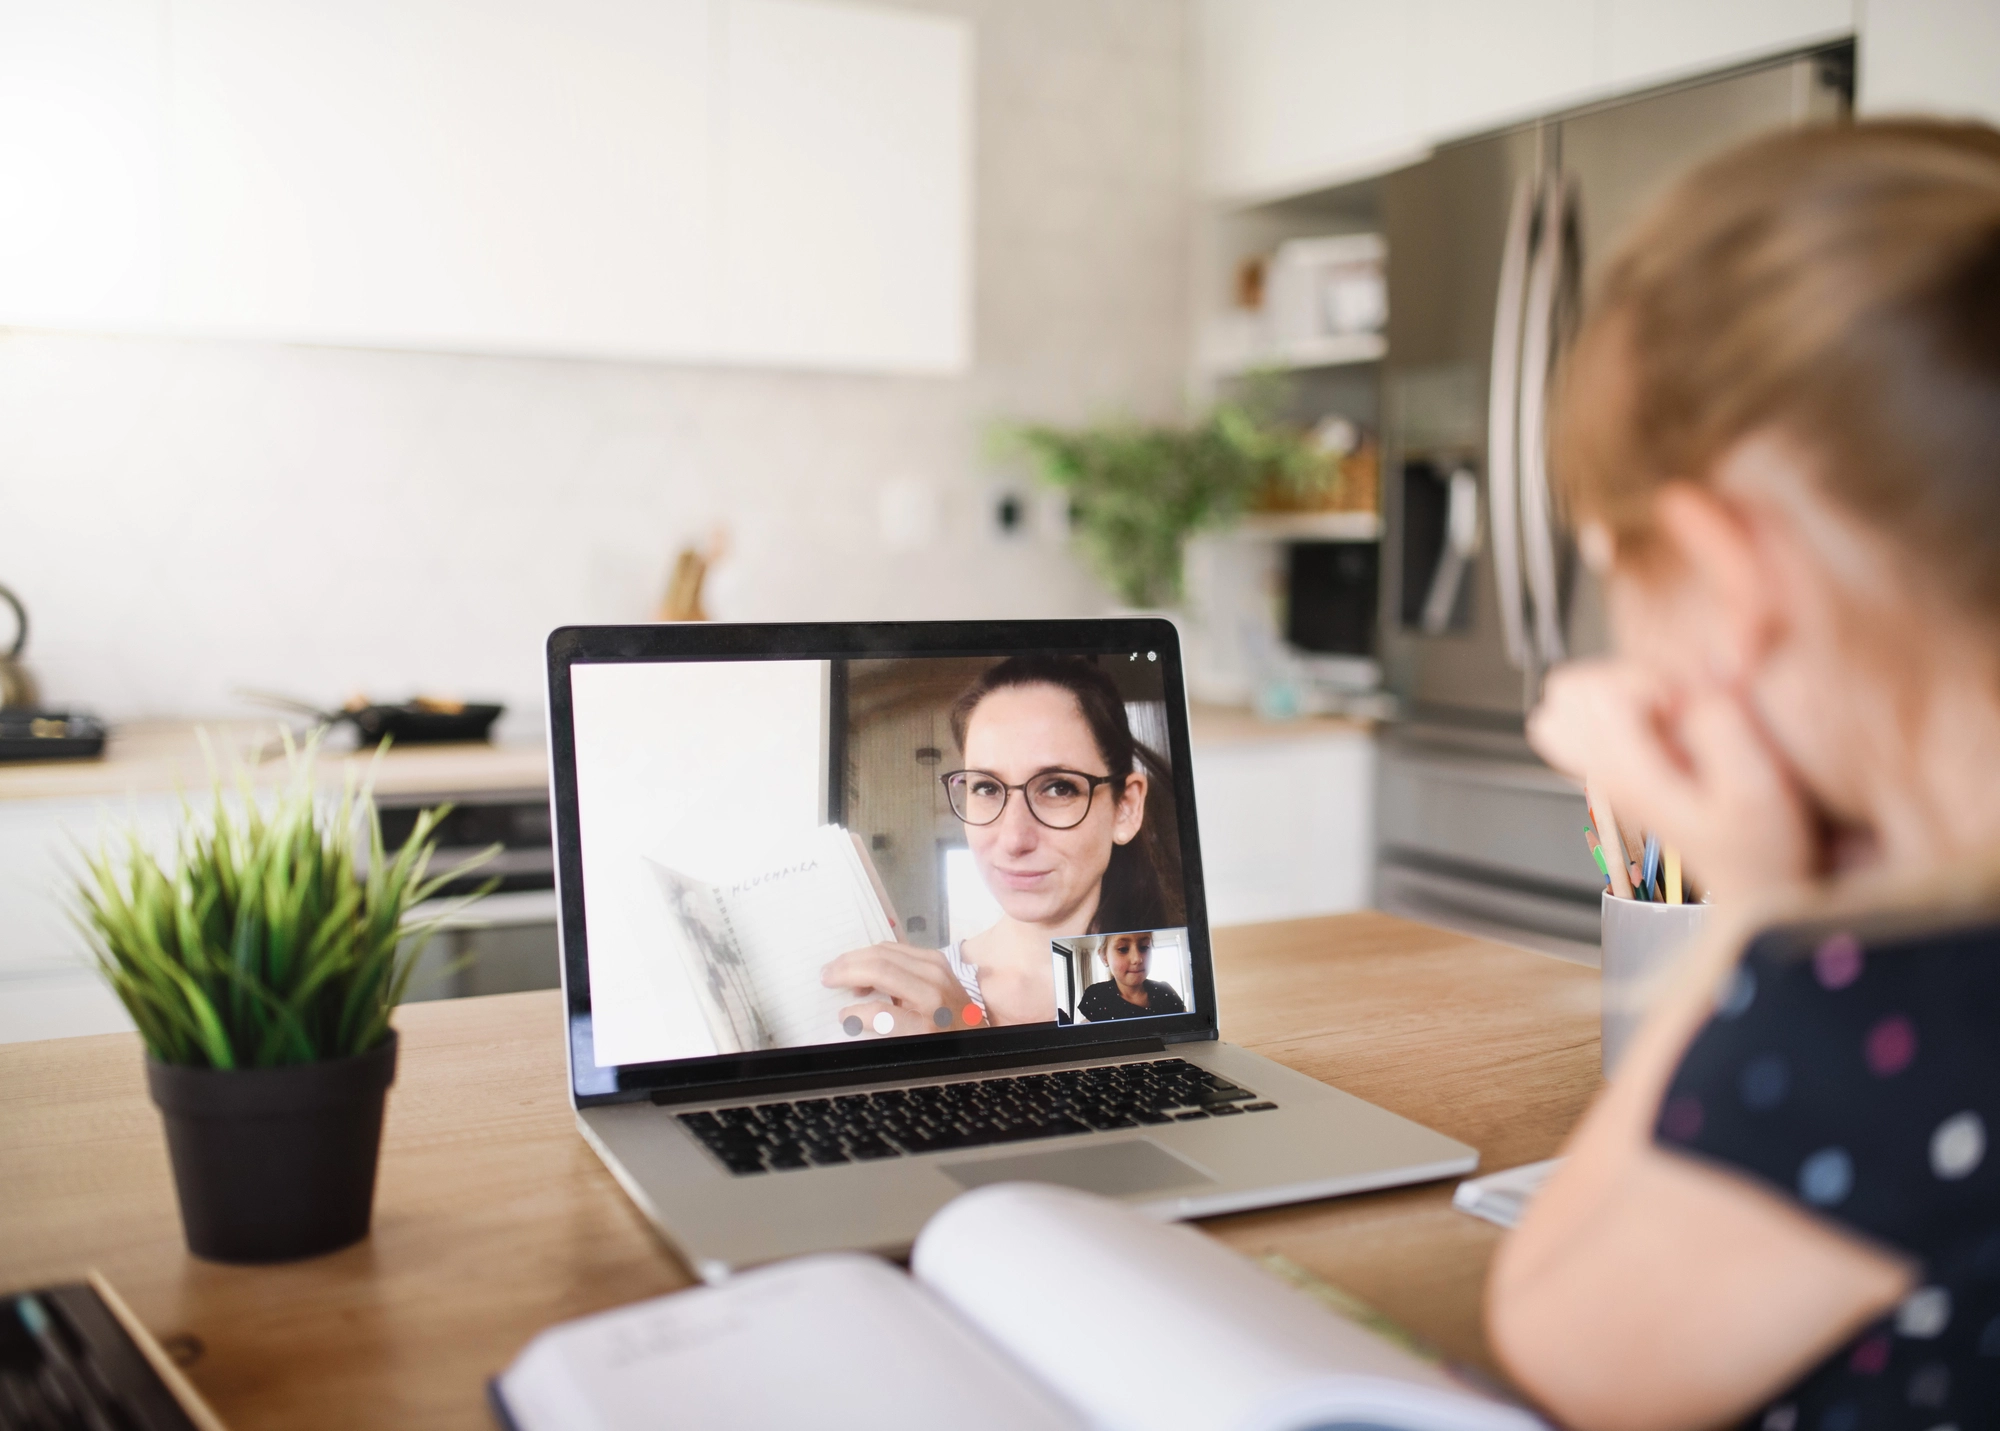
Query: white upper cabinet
[1930,57]
[746,181]
[846,203]
[81,161]
[1297,95]
[1644,42]
[1479,63]
[486,174]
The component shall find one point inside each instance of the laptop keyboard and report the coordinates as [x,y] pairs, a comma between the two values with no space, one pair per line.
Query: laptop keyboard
[935,1118]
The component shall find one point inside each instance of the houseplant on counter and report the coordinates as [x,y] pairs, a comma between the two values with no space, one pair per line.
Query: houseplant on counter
[261,962]
[1138,492]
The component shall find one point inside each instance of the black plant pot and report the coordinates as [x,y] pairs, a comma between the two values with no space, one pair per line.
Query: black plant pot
[273,1164]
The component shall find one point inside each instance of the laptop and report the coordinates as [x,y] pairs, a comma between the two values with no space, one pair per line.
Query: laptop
[856,917]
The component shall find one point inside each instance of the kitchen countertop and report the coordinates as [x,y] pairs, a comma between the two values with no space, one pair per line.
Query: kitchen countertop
[1237,725]
[163,756]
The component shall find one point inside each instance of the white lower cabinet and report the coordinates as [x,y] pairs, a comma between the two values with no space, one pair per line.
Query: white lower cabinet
[47,986]
[1286,824]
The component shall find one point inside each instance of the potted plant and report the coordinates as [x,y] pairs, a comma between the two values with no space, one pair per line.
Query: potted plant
[1137,492]
[261,962]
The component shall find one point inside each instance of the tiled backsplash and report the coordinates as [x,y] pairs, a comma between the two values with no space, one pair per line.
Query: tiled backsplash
[183,518]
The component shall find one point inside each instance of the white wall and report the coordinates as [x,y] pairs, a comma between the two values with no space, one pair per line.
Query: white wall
[186,517]
[1930,56]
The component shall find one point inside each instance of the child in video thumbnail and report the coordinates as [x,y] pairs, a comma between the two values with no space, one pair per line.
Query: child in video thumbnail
[1052,797]
[1128,993]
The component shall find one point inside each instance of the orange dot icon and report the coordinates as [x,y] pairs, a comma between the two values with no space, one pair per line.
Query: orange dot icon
[972,1014]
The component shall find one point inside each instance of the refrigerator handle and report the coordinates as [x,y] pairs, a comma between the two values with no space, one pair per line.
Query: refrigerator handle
[1538,352]
[1502,413]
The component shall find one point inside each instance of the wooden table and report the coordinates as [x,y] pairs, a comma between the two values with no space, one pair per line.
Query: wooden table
[493,1220]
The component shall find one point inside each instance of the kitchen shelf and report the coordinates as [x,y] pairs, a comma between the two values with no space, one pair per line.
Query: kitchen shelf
[160,757]
[1310,527]
[1305,353]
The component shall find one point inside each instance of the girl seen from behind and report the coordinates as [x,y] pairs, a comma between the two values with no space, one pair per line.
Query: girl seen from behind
[1780,434]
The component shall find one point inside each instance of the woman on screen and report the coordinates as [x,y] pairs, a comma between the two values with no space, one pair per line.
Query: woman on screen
[1053,799]
[1128,993]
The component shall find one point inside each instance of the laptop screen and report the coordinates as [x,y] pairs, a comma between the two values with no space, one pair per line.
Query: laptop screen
[788,861]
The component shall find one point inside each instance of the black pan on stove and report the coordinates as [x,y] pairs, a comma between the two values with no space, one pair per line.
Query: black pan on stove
[422,724]
[49,735]
[418,722]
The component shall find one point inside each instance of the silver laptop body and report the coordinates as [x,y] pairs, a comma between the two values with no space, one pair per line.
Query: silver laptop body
[691,766]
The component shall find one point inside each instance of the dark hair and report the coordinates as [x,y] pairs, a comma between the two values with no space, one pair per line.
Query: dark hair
[1838,286]
[1142,883]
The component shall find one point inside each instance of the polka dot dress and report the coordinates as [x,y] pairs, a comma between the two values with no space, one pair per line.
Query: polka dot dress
[1859,1075]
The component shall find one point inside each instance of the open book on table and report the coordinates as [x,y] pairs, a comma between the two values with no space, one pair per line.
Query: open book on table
[753,946]
[1026,1306]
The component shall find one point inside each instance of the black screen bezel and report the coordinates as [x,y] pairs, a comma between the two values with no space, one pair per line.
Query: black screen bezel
[570,646]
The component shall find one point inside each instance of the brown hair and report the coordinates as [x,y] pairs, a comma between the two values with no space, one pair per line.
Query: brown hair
[1142,884]
[1837,286]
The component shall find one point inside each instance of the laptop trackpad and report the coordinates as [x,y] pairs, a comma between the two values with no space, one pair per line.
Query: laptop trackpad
[1121,1169]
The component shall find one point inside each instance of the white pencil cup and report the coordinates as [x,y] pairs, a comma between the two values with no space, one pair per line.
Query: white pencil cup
[1640,941]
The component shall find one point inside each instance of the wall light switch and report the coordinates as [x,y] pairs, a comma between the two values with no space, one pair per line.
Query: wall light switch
[908,514]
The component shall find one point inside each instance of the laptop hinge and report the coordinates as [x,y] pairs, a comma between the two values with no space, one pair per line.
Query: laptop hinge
[879,1073]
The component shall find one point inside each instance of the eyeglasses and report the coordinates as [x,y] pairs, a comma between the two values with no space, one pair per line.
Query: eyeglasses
[1059,799]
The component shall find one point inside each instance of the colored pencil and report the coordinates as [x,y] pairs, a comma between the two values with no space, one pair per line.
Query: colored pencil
[1607,831]
[1597,854]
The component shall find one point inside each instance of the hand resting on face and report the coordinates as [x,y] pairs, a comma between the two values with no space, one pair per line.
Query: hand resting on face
[1692,764]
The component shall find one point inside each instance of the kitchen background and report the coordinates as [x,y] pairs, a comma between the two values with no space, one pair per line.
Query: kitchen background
[184,517]
[351,348]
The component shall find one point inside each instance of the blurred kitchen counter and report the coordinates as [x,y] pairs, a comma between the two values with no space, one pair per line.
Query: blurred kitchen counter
[53,813]
[161,757]
[164,756]
[1238,725]
[1285,807]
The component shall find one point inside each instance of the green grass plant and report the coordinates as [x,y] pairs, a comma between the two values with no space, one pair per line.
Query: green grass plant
[265,939]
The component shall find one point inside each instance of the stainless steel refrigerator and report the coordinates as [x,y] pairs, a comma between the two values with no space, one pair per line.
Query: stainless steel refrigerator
[1491,242]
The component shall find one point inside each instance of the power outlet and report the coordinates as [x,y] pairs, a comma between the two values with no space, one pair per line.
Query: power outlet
[1010,514]
[1027,514]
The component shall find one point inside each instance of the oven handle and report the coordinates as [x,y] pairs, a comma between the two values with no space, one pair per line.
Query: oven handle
[1502,415]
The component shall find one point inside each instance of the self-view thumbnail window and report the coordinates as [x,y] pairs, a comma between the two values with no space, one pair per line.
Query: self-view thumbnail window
[1131,974]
